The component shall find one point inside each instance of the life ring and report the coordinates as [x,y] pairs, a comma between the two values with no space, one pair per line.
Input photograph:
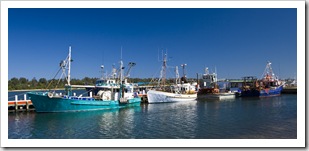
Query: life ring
[105,95]
[50,95]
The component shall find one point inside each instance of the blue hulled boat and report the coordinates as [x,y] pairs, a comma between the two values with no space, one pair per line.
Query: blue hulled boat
[106,94]
[268,86]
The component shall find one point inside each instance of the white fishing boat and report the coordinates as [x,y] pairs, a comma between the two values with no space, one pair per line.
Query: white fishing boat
[180,91]
[209,88]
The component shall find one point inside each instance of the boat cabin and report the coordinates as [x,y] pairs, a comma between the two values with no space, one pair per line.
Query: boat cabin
[208,80]
[105,82]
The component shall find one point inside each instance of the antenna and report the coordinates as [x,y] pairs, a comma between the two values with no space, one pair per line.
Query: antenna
[162,54]
[103,56]
[121,53]
[183,68]
[158,55]
[215,70]
[279,72]
[102,67]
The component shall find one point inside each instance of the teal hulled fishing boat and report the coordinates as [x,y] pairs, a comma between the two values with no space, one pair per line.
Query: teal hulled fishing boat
[106,94]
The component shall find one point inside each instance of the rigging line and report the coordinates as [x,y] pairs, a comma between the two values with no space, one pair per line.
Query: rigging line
[169,71]
[53,78]
[85,93]
[57,83]
[153,77]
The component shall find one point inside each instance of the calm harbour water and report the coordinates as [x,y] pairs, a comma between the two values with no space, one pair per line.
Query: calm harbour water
[247,118]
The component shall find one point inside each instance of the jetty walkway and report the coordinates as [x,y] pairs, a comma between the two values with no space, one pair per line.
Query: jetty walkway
[20,105]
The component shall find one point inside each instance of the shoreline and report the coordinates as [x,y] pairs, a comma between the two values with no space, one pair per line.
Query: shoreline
[24,90]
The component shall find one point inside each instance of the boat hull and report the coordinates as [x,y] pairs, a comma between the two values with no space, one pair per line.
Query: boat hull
[164,97]
[271,92]
[219,96]
[43,103]
[262,93]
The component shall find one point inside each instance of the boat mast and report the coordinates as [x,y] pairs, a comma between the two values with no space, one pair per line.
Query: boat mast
[163,72]
[162,79]
[121,66]
[268,72]
[184,78]
[114,72]
[206,71]
[69,68]
[183,69]
[177,75]
[121,80]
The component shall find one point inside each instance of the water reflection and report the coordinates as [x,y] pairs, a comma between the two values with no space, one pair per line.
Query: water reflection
[170,120]
[120,124]
[242,118]
[20,125]
[64,125]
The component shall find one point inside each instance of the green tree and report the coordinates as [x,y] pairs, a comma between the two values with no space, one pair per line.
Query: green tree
[14,81]
[34,83]
[88,81]
[42,83]
[23,80]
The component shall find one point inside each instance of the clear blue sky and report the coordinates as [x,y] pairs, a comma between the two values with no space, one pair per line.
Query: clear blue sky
[237,42]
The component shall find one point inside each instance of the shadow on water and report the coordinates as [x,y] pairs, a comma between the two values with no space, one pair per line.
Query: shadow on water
[249,98]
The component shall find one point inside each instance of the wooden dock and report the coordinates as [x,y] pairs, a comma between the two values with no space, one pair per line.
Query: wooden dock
[289,90]
[20,105]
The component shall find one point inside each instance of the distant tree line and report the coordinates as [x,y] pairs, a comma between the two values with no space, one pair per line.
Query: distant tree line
[42,83]
[23,83]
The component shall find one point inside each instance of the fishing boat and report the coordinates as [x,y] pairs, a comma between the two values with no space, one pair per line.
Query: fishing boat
[180,91]
[268,85]
[209,89]
[111,94]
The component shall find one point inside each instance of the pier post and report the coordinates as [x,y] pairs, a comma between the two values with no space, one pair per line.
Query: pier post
[16,103]
[27,103]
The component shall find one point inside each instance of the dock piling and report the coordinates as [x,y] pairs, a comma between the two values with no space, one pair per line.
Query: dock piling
[16,103]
